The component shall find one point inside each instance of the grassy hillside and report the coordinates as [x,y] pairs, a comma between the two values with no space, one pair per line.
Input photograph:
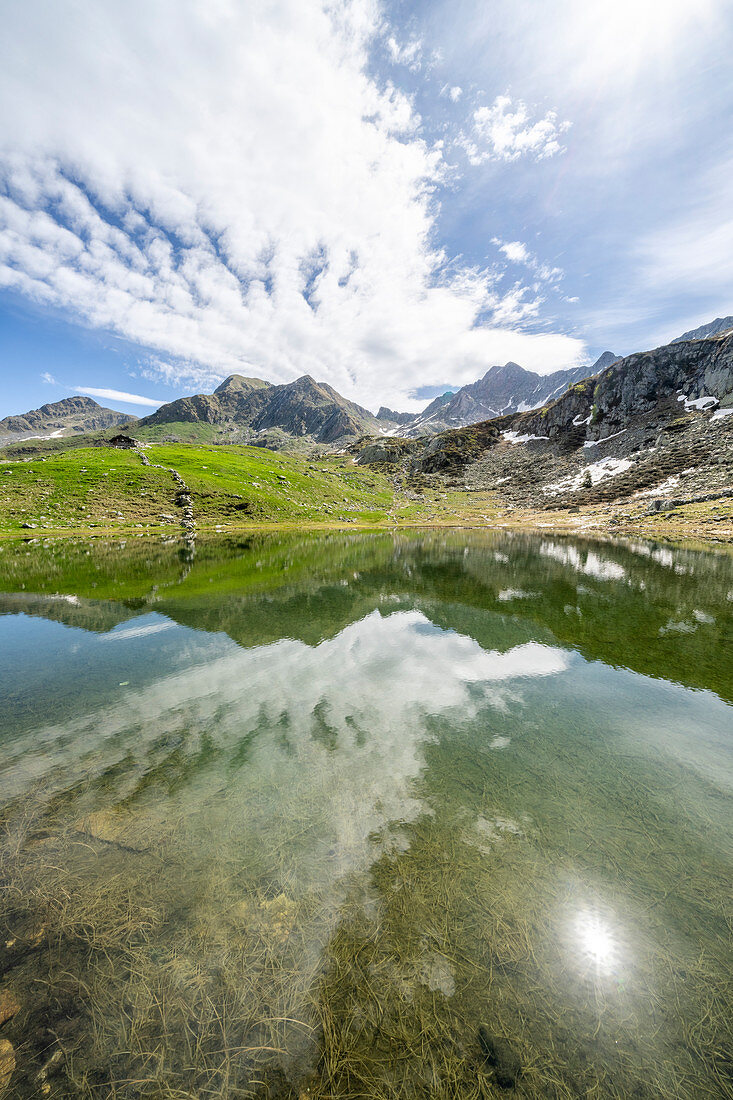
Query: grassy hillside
[101,490]
[94,487]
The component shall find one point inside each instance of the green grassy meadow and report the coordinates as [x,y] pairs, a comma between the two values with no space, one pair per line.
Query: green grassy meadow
[98,487]
[95,489]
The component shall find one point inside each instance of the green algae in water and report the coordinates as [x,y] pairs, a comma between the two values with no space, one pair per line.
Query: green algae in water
[440,816]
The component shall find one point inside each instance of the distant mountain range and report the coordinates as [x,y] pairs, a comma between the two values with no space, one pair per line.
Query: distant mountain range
[315,410]
[251,407]
[70,416]
[502,390]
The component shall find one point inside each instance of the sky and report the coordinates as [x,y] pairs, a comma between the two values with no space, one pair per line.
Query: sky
[389,196]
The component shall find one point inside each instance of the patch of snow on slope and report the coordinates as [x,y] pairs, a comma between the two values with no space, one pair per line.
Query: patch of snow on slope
[663,487]
[700,403]
[515,437]
[597,442]
[599,471]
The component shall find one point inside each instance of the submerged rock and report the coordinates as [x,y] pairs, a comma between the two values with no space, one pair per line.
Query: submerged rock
[501,1056]
[109,827]
[7,1064]
[8,1006]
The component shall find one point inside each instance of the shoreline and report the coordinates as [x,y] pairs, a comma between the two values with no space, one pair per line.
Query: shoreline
[656,527]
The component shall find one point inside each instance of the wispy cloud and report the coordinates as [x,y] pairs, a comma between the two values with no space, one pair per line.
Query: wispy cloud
[118,395]
[49,379]
[406,53]
[518,253]
[507,131]
[694,249]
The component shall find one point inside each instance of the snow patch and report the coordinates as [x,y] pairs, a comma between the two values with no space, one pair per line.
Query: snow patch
[515,437]
[700,403]
[597,442]
[599,471]
[663,487]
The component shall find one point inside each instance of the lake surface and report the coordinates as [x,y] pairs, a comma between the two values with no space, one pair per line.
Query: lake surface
[427,815]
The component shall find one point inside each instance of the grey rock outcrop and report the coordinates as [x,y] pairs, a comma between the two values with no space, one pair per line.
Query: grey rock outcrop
[677,373]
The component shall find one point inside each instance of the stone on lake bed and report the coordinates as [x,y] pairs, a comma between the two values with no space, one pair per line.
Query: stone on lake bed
[7,1064]
[111,827]
[8,1006]
[501,1056]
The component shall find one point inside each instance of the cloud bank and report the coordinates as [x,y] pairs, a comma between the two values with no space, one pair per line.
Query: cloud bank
[228,186]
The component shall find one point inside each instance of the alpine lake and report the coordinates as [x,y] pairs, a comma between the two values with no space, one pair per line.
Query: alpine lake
[427,814]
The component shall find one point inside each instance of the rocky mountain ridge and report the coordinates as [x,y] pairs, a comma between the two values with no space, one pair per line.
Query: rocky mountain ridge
[502,390]
[66,417]
[654,429]
[712,328]
[301,408]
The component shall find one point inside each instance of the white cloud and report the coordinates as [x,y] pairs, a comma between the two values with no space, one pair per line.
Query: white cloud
[518,253]
[49,378]
[119,395]
[514,251]
[453,93]
[506,131]
[408,54]
[228,187]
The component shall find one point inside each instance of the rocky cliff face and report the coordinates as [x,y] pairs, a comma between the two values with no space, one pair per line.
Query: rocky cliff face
[671,378]
[71,415]
[302,408]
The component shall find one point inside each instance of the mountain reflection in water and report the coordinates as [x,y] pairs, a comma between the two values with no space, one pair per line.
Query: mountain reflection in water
[367,815]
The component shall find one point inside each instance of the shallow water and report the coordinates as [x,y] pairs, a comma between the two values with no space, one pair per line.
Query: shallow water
[432,815]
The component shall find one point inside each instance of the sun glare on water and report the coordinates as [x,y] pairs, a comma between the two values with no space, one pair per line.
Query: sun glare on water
[596,943]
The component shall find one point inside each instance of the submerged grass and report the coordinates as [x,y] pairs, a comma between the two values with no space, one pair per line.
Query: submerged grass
[206,964]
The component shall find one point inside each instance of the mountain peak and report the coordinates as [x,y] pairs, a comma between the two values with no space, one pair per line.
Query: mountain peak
[606,359]
[69,415]
[238,383]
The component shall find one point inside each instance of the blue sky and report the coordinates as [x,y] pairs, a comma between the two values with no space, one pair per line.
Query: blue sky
[390,197]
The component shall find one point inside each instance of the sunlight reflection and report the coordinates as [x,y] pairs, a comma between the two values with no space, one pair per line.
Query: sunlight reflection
[596,942]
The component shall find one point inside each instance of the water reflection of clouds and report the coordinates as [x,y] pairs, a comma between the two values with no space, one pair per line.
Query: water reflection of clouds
[356,706]
[129,632]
